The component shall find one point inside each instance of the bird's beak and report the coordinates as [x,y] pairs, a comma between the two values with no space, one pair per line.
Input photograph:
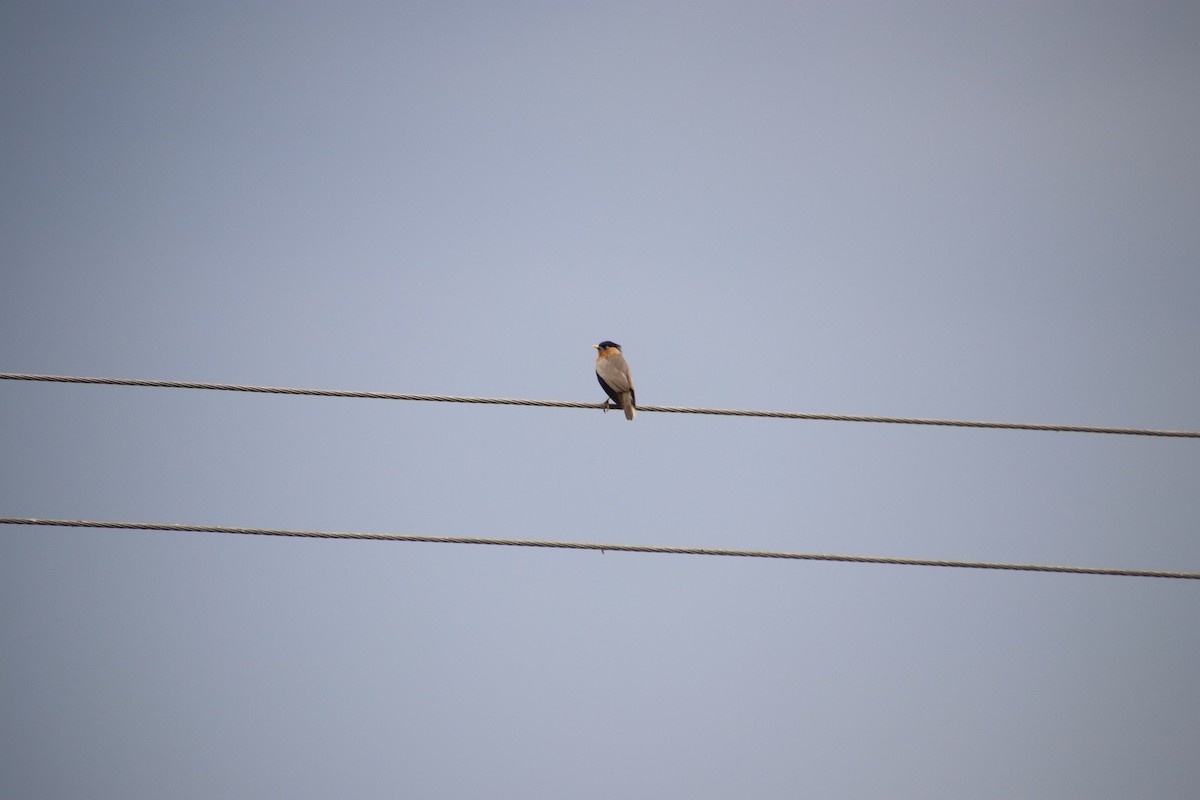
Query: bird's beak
[596,346]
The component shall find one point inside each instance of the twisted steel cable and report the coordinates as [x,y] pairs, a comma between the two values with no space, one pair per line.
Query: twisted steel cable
[620,548]
[724,412]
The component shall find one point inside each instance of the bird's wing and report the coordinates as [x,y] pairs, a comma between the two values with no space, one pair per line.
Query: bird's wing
[615,372]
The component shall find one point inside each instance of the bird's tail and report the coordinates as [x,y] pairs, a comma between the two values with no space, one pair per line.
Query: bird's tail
[627,404]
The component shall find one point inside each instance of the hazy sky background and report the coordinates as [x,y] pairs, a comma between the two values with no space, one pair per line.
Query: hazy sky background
[967,210]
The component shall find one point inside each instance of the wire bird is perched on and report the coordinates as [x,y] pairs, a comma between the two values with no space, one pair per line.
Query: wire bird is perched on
[614,377]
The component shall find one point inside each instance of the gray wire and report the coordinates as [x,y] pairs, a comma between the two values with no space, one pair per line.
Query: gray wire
[724,412]
[620,548]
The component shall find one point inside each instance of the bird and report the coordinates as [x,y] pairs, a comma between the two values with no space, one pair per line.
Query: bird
[614,377]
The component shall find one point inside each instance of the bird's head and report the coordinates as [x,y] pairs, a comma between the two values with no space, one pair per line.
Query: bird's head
[606,345]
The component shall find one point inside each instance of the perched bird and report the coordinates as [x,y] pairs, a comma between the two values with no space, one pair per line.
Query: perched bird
[614,377]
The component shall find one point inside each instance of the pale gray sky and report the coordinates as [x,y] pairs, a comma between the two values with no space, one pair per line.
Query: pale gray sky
[968,210]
